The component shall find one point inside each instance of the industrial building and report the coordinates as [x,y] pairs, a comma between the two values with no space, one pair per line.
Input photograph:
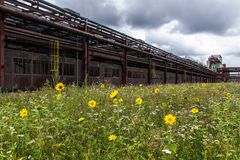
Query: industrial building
[40,41]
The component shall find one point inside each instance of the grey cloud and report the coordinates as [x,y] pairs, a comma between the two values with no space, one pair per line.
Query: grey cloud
[194,16]
[175,47]
[102,11]
[214,16]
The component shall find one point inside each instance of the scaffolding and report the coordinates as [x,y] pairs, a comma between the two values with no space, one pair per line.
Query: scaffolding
[54,61]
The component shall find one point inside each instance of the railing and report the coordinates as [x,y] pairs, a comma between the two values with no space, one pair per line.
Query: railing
[72,19]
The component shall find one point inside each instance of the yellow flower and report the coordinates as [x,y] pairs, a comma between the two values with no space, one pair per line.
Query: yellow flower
[114,94]
[170,119]
[164,104]
[149,155]
[59,96]
[81,119]
[138,101]
[156,90]
[112,137]
[120,100]
[23,113]
[229,95]
[195,110]
[92,104]
[102,85]
[140,85]
[174,95]
[115,100]
[59,86]
[204,84]
[195,100]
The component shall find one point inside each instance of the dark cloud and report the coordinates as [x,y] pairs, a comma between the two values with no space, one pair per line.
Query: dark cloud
[214,16]
[103,11]
[194,16]
[220,17]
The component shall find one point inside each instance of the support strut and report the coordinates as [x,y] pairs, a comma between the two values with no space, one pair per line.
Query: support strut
[2,43]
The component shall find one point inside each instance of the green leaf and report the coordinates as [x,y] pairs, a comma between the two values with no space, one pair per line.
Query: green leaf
[171,147]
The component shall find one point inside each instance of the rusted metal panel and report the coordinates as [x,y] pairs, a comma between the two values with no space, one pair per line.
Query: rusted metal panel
[150,71]
[137,75]
[89,31]
[145,48]
[124,68]
[165,74]
[176,75]
[191,79]
[2,45]
[85,59]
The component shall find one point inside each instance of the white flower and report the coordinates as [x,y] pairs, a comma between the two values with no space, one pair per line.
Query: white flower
[166,151]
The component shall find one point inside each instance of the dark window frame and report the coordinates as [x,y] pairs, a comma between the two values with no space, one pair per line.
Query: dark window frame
[22,66]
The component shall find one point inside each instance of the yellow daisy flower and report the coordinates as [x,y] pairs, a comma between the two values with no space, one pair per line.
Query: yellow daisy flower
[163,105]
[229,95]
[195,100]
[156,90]
[140,85]
[170,119]
[23,113]
[113,94]
[59,86]
[92,104]
[138,101]
[112,137]
[195,110]
[102,85]
[81,119]
[120,100]
[173,95]
[115,100]
[204,84]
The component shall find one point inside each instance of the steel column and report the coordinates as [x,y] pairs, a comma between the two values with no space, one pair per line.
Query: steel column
[85,56]
[124,68]
[77,66]
[176,76]
[2,43]
[150,71]
[191,76]
[85,60]
[165,74]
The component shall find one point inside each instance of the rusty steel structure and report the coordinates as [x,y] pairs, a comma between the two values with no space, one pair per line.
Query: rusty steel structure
[229,74]
[88,51]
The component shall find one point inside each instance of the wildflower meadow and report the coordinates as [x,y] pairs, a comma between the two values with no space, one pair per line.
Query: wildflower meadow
[184,122]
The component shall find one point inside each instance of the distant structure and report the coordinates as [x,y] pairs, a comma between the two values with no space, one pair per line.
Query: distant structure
[214,62]
[225,74]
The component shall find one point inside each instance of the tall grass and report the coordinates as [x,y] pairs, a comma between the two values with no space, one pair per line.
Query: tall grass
[52,128]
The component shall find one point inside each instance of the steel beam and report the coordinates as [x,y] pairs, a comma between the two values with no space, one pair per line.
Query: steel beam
[191,76]
[27,16]
[85,60]
[176,76]
[124,67]
[165,74]
[150,71]
[2,43]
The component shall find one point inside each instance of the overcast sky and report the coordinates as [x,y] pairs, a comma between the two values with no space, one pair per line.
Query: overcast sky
[192,28]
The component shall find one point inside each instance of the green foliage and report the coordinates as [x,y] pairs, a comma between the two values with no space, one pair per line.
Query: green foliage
[52,129]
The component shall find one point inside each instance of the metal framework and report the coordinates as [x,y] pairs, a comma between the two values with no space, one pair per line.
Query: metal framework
[40,22]
[54,60]
[229,74]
